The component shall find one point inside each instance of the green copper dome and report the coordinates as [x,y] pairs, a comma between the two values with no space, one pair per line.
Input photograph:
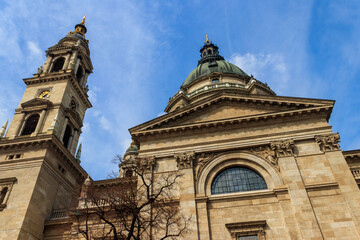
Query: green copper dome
[206,68]
[211,61]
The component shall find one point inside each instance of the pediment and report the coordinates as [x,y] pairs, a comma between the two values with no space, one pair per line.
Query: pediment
[36,103]
[234,108]
[74,116]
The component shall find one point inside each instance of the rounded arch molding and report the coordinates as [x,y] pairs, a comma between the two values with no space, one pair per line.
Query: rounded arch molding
[235,159]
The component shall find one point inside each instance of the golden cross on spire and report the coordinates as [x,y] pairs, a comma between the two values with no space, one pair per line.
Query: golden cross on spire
[83,20]
[207,38]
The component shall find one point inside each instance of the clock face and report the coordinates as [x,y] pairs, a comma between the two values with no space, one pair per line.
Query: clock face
[73,105]
[44,94]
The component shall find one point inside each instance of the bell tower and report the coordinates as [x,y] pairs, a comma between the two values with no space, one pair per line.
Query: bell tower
[38,170]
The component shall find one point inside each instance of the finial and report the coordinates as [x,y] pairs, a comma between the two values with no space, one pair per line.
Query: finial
[3,129]
[78,154]
[207,38]
[80,28]
[83,20]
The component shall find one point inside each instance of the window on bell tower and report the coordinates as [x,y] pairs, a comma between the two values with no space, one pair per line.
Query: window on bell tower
[79,74]
[30,125]
[3,194]
[58,64]
[67,135]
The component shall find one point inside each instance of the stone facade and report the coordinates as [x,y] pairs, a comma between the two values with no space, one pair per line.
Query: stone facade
[219,120]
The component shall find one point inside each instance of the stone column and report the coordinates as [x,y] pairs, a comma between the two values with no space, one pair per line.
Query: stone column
[40,122]
[77,63]
[47,64]
[185,163]
[64,128]
[73,60]
[70,141]
[21,125]
[303,211]
[84,80]
[67,60]
[73,144]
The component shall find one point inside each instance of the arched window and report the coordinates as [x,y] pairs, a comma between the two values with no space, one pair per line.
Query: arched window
[237,179]
[67,136]
[128,173]
[3,194]
[79,74]
[58,64]
[30,125]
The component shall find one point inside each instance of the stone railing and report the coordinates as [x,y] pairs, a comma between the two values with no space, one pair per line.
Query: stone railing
[59,214]
[356,173]
[217,85]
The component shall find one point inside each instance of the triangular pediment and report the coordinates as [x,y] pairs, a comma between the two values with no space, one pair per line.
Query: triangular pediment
[234,108]
[36,102]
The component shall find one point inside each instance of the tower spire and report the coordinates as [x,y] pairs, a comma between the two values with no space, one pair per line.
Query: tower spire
[78,154]
[3,129]
[83,20]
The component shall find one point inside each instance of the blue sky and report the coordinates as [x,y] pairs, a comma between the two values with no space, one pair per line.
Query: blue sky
[142,51]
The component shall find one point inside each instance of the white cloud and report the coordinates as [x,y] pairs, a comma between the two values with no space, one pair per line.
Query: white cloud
[269,68]
[105,123]
[34,49]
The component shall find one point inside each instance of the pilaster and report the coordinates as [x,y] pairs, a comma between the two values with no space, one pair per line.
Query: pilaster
[329,144]
[300,202]
[185,162]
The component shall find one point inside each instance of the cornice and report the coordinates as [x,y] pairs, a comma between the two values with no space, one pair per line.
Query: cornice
[49,141]
[232,121]
[62,76]
[258,99]
[236,143]
[113,182]
[351,154]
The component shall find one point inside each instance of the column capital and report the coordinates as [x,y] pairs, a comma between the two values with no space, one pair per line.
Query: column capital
[185,160]
[283,148]
[329,142]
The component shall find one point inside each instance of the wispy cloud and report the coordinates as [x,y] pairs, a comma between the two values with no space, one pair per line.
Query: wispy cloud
[34,49]
[269,68]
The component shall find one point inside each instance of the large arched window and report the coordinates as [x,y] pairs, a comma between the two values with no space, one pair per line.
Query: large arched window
[30,125]
[237,179]
[58,64]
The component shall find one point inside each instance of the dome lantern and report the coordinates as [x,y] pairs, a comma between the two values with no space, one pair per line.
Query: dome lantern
[209,53]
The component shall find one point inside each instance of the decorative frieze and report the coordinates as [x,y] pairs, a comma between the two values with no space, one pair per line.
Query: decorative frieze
[185,160]
[329,142]
[202,159]
[283,148]
[267,153]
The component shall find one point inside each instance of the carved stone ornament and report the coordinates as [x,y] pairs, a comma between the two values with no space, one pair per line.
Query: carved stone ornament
[185,160]
[145,164]
[267,153]
[202,159]
[283,148]
[329,142]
